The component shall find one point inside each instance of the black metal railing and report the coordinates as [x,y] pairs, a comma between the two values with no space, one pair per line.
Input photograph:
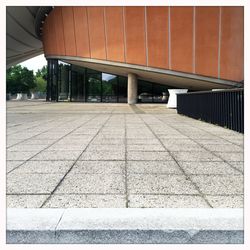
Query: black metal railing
[222,107]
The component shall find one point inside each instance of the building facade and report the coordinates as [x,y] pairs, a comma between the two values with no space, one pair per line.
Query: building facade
[135,54]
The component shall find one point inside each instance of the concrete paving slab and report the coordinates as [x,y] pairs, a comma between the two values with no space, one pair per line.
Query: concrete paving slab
[25,201]
[99,167]
[170,201]
[173,136]
[149,167]
[68,147]
[10,142]
[224,148]
[195,156]
[143,147]
[186,148]
[38,142]
[142,141]
[119,127]
[44,167]
[217,141]
[223,185]
[110,141]
[118,155]
[172,142]
[239,142]
[12,165]
[86,201]
[32,183]
[148,156]
[20,156]
[231,156]
[57,155]
[29,148]
[238,164]
[109,136]
[159,184]
[207,168]
[227,201]
[50,136]
[92,184]
[106,147]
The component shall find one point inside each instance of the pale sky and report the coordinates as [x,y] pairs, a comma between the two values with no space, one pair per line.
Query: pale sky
[35,63]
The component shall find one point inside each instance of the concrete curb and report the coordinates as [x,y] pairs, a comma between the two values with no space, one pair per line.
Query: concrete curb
[125,225]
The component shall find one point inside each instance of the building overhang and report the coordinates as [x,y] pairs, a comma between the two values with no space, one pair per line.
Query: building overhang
[167,77]
[23,32]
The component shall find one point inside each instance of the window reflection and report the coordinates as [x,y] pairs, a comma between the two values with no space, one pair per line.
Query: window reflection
[68,82]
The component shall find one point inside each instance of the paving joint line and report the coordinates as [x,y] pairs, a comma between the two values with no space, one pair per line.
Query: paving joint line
[34,126]
[201,145]
[123,194]
[187,177]
[69,170]
[211,132]
[51,144]
[37,134]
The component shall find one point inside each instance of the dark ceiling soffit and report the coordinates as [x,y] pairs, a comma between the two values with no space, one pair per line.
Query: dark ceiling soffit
[19,41]
[41,15]
[20,25]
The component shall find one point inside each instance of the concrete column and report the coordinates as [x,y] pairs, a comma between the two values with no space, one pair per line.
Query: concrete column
[172,100]
[132,88]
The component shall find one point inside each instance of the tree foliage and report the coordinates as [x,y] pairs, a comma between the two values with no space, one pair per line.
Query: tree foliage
[40,84]
[19,80]
[22,80]
[42,72]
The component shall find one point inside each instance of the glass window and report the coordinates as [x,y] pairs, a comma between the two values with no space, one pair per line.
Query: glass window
[94,87]
[160,93]
[122,89]
[109,88]
[144,92]
[63,84]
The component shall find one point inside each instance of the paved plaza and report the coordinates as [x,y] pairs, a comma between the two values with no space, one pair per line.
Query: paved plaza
[77,155]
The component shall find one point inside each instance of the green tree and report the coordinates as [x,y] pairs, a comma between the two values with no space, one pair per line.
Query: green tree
[19,80]
[42,72]
[40,84]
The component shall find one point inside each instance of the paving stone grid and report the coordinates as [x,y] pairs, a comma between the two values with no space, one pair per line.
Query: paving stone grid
[62,155]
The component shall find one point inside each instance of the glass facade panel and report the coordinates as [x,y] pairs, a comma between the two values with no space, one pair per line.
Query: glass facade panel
[160,93]
[74,83]
[149,92]
[109,88]
[77,86]
[63,82]
[122,89]
[94,87]
[144,92]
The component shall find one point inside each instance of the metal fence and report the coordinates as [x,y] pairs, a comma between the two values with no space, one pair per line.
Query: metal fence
[223,107]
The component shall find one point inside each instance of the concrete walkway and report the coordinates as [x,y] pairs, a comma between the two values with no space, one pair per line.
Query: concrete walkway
[72,155]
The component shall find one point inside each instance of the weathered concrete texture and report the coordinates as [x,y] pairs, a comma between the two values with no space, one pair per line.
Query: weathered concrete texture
[134,226]
[86,201]
[118,155]
[132,88]
[25,200]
